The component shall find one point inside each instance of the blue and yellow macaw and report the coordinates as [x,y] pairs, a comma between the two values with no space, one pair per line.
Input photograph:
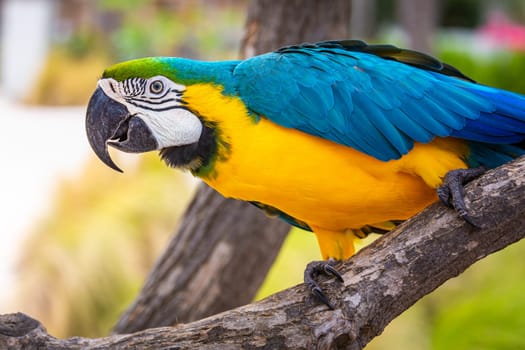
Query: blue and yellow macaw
[339,137]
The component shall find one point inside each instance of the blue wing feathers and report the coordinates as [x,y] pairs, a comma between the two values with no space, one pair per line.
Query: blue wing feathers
[345,106]
[490,126]
[369,139]
[419,115]
[379,99]
[413,130]
[390,141]
[502,123]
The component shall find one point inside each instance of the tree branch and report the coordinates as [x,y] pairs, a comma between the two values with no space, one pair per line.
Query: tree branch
[381,281]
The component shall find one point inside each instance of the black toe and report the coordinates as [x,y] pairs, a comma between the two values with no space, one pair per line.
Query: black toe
[452,192]
[314,269]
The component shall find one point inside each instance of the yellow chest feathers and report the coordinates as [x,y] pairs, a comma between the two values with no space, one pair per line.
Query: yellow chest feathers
[315,180]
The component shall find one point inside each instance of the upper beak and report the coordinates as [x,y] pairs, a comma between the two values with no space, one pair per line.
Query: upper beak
[109,122]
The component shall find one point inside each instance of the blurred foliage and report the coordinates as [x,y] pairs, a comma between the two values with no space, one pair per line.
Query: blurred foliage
[85,261]
[514,8]
[456,13]
[123,5]
[67,79]
[461,13]
[141,28]
[147,30]
[299,248]
[81,44]
[489,313]
[497,69]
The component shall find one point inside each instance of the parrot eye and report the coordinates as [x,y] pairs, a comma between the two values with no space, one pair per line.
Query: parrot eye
[156,87]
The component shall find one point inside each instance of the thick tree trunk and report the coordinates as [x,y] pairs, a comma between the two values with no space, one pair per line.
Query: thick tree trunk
[380,282]
[203,270]
[419,19]
[223,249]
[272,24]
[364,19]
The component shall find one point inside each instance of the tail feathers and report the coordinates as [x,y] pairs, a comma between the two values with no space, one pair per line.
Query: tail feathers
[505,124]
[497,135]
[493,155]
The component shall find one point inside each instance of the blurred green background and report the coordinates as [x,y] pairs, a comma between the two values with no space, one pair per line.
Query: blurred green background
[87,255]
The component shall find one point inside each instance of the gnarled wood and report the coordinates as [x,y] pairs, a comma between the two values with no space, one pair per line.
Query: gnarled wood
[381,281]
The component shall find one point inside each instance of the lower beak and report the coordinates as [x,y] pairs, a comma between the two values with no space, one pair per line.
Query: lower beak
[108,122]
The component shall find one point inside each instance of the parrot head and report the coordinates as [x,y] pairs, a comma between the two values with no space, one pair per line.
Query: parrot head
[138,106]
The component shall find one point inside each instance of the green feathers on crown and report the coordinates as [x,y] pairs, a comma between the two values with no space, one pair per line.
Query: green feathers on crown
[180,70]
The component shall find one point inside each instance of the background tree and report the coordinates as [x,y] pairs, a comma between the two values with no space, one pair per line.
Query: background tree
[419,19]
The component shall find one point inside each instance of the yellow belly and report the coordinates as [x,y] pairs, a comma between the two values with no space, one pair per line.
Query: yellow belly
[329,186]
[319,182]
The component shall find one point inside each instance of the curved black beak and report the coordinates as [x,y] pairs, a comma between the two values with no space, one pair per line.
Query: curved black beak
[108,122]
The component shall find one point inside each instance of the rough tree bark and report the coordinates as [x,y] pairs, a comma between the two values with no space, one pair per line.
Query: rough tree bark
[380,282]
[223,249]
[272,24]
[419,19]
[364,19]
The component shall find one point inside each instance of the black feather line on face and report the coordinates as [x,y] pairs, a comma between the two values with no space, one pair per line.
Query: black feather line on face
[192,156]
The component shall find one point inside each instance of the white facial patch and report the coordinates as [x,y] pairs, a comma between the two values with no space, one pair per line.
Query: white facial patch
[158,102]
[176,127]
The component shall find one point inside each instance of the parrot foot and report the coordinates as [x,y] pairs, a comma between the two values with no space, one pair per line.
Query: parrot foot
[452,192]
[314,269]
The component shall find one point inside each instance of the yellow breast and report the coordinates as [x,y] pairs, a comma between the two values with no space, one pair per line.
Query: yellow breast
[317,181]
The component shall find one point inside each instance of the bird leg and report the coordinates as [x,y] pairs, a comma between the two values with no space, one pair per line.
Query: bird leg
[313,270]
[452,192]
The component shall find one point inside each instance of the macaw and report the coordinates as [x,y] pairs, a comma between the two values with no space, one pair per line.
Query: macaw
[340,138]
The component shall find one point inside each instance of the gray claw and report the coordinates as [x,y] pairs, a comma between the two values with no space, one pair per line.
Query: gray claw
[452,192]
[314,269]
